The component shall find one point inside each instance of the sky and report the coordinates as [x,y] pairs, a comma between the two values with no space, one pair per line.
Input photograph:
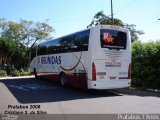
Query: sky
[68,16]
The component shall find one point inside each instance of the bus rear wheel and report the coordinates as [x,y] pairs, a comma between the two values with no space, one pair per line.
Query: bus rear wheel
[63,80]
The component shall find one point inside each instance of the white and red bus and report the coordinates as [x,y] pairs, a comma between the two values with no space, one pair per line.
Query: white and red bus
[95,58]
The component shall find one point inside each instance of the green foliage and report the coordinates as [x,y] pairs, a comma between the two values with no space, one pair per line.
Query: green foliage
[134,33]
[20,72]
[145,64]
[101,18]
[18,38]
[12,53]
[15,73]
[23,72]
[3,73]
[27,32]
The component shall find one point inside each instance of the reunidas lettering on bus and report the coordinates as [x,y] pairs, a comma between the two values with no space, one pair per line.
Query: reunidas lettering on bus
[51,60]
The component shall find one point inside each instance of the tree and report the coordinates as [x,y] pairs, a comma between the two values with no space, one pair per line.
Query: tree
[134,33]
[35,32]
[12,53]
[101,18]
[27,32]
[18,38]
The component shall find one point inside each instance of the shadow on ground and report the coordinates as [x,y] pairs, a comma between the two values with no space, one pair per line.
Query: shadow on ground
[29,90]
[136,92]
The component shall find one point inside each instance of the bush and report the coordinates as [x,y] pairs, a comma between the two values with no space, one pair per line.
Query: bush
[3,73]
[15,73]
[23,73]
[145,65]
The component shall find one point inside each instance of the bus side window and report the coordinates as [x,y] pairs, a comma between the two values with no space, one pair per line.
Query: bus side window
[84,40]
[68,44]
[33,52]
[63,44]
[72,43]
[42,50]
[53,47]
[50,49]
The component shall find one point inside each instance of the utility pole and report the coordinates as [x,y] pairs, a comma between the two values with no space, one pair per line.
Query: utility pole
[112,13]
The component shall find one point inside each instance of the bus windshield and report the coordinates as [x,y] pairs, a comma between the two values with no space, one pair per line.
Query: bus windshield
[113,39]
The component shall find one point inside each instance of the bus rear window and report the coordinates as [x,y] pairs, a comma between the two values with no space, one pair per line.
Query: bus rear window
[113,39]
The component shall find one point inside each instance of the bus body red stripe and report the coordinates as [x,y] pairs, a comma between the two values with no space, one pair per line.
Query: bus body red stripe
[73,79]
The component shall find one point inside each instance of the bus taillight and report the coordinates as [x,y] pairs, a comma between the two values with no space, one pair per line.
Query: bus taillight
[93,72]
[129,71]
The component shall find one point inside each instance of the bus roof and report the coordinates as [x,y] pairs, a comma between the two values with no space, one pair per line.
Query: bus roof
[98,26]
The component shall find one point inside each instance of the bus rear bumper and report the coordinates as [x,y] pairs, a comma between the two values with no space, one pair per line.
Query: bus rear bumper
[109,84]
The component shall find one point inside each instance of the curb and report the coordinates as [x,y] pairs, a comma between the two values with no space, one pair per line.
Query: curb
[5,78]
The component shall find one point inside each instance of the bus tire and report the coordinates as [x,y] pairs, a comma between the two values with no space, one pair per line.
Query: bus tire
[63,79]
[35,74]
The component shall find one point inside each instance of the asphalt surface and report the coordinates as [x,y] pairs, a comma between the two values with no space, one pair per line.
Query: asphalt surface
[31,96]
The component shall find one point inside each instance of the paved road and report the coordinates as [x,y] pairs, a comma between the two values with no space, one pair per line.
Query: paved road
[42,96]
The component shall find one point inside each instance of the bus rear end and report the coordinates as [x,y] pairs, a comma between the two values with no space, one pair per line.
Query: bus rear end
[111,58]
